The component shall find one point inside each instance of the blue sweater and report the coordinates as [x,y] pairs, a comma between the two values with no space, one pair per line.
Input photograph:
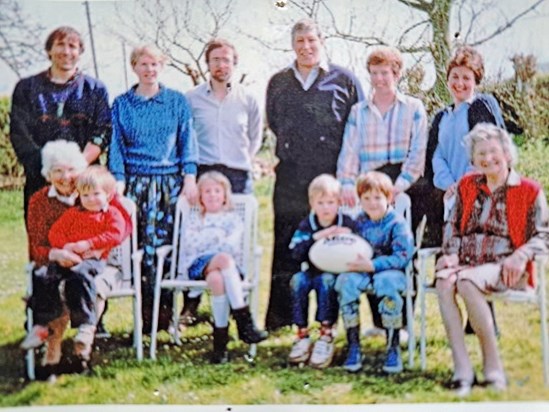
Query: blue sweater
[451,160]
[390,238]
[152,136]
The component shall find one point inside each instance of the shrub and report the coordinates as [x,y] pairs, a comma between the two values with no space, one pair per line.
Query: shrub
[11,171]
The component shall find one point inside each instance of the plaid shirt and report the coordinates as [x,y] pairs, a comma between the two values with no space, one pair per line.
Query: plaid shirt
[486,236]
[372,140]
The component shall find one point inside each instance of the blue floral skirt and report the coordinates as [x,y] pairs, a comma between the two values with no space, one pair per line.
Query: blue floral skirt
[156,198]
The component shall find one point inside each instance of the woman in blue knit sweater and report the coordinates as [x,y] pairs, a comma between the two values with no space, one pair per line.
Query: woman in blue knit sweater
[153,155]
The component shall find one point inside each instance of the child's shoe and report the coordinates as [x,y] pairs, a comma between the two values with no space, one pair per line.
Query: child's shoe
[353,363]
[83,341]
[301,350]
[36,337]
[393,360]
[323,352]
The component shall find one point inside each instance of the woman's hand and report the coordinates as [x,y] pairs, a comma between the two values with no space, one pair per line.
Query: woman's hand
[447,261]
[348,196]
[513,268]
[190,190]
[331,231]
[64,258]
[93,254]
[450,192]
[361,264]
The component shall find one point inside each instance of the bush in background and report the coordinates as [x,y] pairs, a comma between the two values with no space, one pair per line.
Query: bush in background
[11,171]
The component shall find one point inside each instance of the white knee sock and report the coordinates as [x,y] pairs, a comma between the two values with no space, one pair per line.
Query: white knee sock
[233,287]
[221,310]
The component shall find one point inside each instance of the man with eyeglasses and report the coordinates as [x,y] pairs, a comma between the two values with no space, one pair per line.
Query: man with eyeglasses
[226,118]
[228,125]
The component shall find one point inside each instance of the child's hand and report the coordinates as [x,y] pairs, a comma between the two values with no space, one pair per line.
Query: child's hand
[93,254]
[447,261]
[78,247]
[361,264]
[330,231]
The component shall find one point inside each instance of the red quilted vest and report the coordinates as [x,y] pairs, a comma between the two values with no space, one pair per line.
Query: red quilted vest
[520,199]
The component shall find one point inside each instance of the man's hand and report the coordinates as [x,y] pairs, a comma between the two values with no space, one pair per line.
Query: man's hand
[513,268]
[447,261]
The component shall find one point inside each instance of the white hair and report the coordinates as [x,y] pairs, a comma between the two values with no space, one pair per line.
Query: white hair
[62,152]
[485,131]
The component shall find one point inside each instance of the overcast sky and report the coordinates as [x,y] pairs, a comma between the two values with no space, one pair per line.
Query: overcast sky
[257,16]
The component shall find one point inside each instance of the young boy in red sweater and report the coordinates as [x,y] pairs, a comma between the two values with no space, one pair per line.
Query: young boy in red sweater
[89,230]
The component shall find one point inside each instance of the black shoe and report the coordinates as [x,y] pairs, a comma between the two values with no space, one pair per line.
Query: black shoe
[462,387]
[220,340]
[189,313]
[247,331]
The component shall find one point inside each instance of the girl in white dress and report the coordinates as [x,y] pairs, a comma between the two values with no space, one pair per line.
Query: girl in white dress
[213,242]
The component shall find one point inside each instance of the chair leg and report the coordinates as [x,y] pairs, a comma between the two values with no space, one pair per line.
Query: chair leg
[29,357]
[421,291]
[543,315]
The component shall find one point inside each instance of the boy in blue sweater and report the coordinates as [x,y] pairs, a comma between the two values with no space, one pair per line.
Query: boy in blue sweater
[393,244]
[324,220]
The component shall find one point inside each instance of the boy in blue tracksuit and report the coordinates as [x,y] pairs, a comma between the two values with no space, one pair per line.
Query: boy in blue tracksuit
[393,244]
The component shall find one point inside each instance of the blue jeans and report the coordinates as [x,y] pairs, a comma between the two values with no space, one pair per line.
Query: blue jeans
[388,285]
[301,284]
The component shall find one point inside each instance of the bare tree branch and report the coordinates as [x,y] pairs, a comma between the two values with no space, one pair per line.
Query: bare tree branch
[508,24]
[20,38]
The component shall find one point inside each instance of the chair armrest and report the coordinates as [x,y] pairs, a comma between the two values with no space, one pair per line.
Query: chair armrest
[163,251]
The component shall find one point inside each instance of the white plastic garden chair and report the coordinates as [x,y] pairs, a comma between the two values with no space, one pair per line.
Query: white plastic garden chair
[125,260]
[177,279]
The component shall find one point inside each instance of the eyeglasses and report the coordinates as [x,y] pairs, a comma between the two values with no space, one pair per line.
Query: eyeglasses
[219,60]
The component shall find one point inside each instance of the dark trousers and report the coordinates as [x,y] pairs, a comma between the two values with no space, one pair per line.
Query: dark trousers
[79,292]
[290,206]
[241,180]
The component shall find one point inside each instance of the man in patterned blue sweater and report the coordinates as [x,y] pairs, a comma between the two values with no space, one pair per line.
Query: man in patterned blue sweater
[59,103]
[307,108]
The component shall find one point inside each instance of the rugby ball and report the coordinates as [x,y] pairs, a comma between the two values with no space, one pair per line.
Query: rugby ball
[333,254]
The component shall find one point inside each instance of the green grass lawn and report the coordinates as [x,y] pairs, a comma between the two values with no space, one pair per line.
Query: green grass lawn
[183,375]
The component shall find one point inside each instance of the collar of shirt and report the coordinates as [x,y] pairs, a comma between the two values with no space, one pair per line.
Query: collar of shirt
[209,88]
[313,74]
[67,200]
[158,97]
[73,77]
[470,100]
[513,179]
[399,97]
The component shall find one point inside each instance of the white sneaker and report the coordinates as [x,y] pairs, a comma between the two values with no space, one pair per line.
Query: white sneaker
[301,350]
[83,341]
[36,337]
[323,352]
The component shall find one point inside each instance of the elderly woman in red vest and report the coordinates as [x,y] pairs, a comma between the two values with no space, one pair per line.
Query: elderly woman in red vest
[497,225]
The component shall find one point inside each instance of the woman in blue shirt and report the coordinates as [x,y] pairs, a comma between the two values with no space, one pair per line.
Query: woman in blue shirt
[153,155]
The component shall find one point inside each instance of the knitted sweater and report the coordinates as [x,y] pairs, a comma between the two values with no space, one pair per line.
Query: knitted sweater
[152,136]
[43,111]
[103,230]
[309,124]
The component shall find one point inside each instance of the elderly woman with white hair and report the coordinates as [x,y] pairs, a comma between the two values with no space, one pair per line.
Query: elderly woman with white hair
[62,163]
[499,222]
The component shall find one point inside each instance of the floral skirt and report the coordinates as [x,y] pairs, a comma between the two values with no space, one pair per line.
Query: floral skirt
[156,198]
